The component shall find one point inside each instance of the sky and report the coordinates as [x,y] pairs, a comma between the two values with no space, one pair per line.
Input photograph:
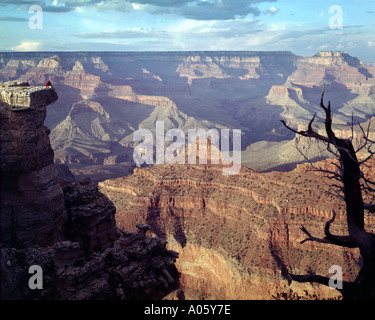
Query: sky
[302,27]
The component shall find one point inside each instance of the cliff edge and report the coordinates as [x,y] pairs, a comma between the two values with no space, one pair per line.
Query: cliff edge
[65,228]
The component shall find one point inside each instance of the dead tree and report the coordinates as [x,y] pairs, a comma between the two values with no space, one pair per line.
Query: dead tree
[352,184]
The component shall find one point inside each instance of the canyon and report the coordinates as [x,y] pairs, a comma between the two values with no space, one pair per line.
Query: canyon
[74,201]
[227,229]
[104,97]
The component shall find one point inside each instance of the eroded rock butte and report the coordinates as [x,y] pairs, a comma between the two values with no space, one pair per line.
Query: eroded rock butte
[65,227]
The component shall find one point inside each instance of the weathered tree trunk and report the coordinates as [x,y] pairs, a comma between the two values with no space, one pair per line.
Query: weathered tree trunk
[365,280]
[350,175]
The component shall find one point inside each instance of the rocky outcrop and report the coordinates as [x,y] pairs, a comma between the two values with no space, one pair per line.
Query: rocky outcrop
[227,229]
[91,217]
[135,267]
[64,227]
[32,211]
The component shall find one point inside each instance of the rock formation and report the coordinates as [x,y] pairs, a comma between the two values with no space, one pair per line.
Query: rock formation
[340,72]
[66,228]
[226,229]
[106,96]
[32,200]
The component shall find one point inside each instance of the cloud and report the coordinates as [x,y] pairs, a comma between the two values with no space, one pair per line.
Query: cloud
[128,33]
[201,30]
[9,18]
[219,28]
[272,10]
[18,2]
[184,35]
[27,45]
[57,9]
[46,5]
[190,9]
[26,4]
[242,34]
[340,46]
[206,10]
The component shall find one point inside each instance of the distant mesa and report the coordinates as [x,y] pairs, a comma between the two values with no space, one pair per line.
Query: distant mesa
[121,92]
[331,54]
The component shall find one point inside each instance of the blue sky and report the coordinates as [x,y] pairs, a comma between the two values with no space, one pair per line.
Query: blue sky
[302,27]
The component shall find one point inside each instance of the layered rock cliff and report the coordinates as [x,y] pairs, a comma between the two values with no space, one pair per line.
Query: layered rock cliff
[341,73]
[104,97]
[32,200]
[66,228]
[228,228]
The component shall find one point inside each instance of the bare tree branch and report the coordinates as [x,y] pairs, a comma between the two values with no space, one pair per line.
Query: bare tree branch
[331,174]
[351,176]
[310,134]
[312,238]
[342,241]
[347,287]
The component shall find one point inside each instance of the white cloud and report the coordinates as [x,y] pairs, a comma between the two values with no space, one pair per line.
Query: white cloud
[128,33]
[138,6]
[371,43]
[27,46]
[273,10]
[340,46]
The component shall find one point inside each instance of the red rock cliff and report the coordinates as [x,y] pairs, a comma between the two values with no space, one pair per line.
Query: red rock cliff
[225,227]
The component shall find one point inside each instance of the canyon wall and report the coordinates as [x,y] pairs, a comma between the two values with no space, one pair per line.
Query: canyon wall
[227,229]
[104,97]
[65,227]
[32,199]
